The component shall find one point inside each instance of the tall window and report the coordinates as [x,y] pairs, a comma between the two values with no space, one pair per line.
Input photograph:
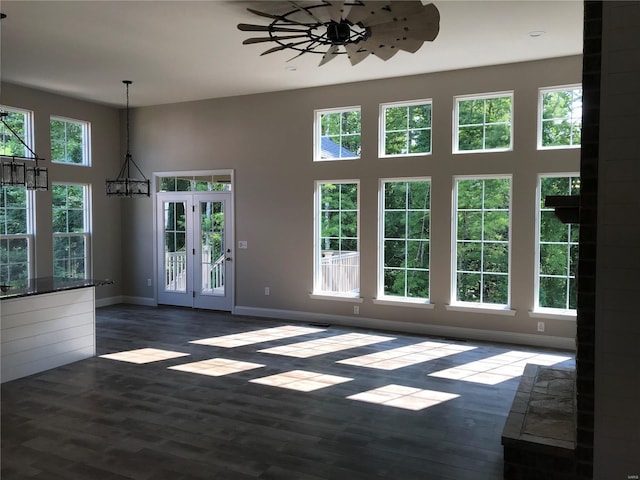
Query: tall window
[337,134]
[71,230]
[483,123]
[557,248]
[404,265]
[69,141]
[16,207]
[560,117]
[482,236]
[405,129]
[337,264]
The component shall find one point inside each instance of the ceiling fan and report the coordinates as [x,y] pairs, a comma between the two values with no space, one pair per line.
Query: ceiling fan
[355,28]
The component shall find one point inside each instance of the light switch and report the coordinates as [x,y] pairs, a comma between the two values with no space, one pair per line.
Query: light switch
[242,244]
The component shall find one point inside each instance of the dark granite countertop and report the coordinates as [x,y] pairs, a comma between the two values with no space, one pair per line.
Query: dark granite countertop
[41,285]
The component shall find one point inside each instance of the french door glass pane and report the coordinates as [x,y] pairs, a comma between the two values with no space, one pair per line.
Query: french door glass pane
[212,248]
[175,253]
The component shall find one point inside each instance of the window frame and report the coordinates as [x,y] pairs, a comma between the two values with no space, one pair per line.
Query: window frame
[456,121]
[317,291]
[317,133]
[88,227]
[541,92]
[29,207]
[86,140]
[380,296]
[537,309]
[382,127]
[454,303]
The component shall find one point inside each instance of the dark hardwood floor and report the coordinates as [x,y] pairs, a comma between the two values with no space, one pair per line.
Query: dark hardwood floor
[103,419]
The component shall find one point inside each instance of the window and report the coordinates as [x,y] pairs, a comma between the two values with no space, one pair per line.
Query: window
[69,141]
[405,129]
[404,233]
[71,230]
[560,117]
[195,183]
[482,234]
[337,134]
[557,248]
[483,123]
[337,265]
[16,207]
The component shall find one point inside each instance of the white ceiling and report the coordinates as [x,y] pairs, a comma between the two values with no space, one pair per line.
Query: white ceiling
[178,51]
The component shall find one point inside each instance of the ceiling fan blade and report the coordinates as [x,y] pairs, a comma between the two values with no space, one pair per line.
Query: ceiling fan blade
[356,53]
[277,17]
[375,13]
[282,47]
[424,26]
[269,39]
[338,10]
[329,55]
[410,45]
[385,52]
[245,27]
[318,15]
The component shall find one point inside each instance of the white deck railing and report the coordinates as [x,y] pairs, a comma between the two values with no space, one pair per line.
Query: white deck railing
[340,272]
[175,268]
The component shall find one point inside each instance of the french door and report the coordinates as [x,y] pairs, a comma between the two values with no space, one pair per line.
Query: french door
[195,250]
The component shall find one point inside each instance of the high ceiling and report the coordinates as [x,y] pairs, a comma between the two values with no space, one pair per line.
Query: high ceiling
[178,51]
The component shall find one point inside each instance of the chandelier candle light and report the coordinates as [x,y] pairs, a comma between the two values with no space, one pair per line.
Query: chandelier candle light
[126,185]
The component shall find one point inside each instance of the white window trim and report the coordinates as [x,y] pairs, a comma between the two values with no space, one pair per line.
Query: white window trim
[382,127]
[541,92]
[484,96]
[317,228]
[537,309]
[86,147]
[317,132]
[468,306]
[381,298]
[481,308]
[88,222]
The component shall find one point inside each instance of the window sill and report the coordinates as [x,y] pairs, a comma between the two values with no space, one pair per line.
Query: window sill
[493,150]
[489,309]
[403,302]
[320,160]
[560,147]
[336,297]
[554,314]
[405,155]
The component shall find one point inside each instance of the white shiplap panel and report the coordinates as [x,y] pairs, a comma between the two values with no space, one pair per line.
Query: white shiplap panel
[13,371]
[28,345]
[36,318]
[46,351]
[12,306]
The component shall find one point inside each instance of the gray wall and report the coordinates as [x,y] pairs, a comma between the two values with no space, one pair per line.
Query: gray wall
[268,139]
[106,160]
[617,357]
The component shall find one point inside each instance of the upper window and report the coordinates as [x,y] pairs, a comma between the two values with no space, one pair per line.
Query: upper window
[405,129]
[337,246]
[16,207]
[482,238]
[560,117]
[483,123]
[69,141]
[337,134]
[404,238]
[71,230]
[193,183]
[557,248]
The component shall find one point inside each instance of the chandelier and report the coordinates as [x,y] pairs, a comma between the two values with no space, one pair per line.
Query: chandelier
[126,185]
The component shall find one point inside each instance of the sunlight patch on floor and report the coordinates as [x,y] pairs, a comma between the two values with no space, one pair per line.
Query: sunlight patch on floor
[401,396]
[144,355]
[406,356]
[321,346]
[301,380]
[499,368]
[257,336]
[216,367]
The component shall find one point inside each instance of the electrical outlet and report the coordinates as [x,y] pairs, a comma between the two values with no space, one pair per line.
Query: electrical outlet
[148,282]
[242,244]
[356,309]
[267,291]
[541,326]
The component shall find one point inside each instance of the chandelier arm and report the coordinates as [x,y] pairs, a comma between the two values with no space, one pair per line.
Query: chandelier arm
[15,134]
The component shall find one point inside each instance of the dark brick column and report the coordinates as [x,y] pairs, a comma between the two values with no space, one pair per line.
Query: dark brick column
[585,340]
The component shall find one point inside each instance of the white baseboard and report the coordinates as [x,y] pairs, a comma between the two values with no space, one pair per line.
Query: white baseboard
[547,341]
[146,301]
[105,302]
